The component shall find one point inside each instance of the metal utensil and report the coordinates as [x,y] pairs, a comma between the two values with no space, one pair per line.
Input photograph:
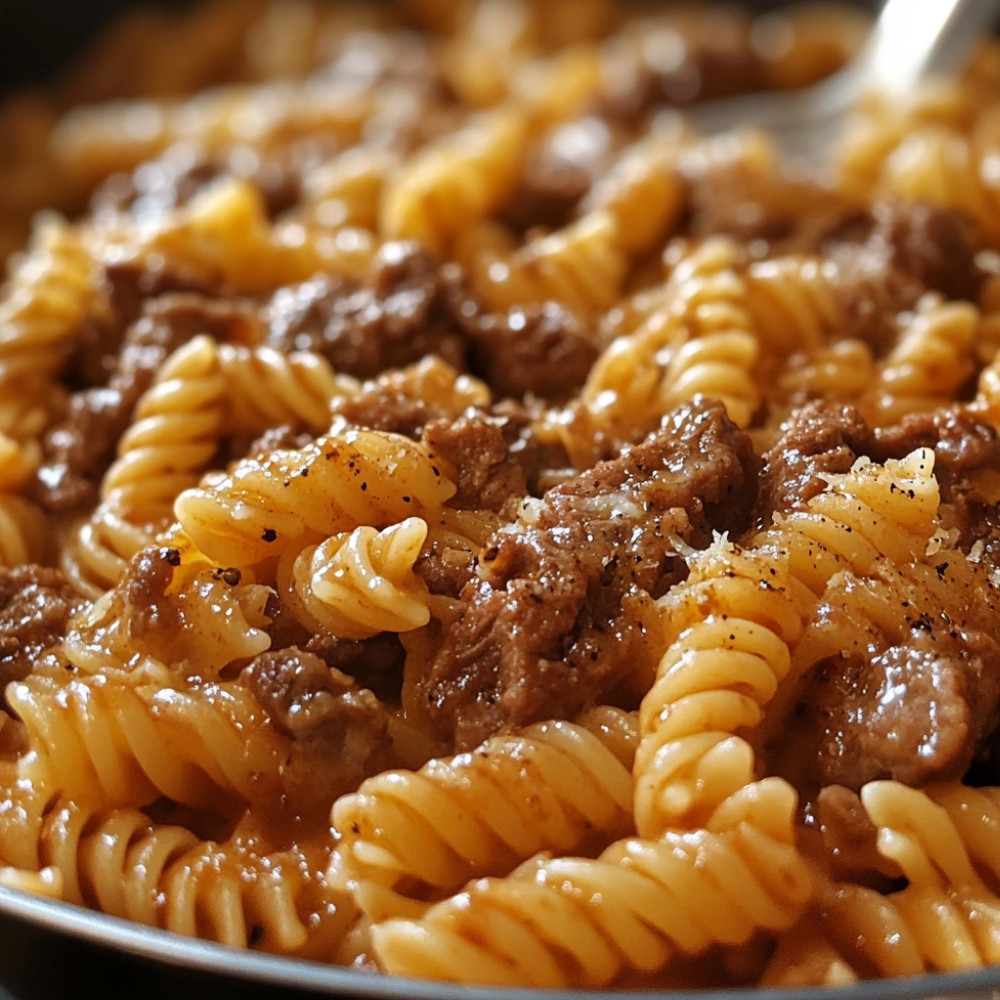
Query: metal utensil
[911,39]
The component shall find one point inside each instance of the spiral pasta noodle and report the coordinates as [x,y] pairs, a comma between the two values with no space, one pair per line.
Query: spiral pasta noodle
[542,931]
[693,338]
[930,363]
[581,265]
[340,481]
[750,609]
[711,684]
[24,531]
[452,184]
[191,753]
[583,792]
[267,388]
[18,463]
[49,292]
[944,919]
[128,866]
[359,583]
[642,192]
[792,302]
[840,527]
[100,547]
[224,231]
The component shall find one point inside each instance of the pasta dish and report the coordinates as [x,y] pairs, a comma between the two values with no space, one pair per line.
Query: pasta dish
[458,522]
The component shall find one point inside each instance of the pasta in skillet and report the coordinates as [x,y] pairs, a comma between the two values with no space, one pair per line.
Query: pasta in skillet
[458,522]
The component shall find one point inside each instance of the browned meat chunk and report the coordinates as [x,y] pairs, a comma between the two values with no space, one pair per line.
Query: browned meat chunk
[692,57]
[375,663]
[152,620]
[127,288]
[386,408]
[915,713]
[818,439]
[36,604]
[539,456]
[892,255]
[852,840]
[553,624]
[558,171]
[964,443]
[79,449]
[474,444]
[405,314]
[538,350]
[337,730]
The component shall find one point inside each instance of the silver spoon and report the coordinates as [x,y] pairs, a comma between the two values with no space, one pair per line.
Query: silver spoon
[910,40]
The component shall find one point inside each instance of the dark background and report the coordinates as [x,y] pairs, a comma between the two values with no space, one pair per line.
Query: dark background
[39,36]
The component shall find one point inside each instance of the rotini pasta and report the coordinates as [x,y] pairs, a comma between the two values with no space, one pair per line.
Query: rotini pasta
[191,754]
[542,931]
[379,843]
[944,919]
[455,183]
[582,266]
[359,583]
[164,876]
[340,481]
[48,293]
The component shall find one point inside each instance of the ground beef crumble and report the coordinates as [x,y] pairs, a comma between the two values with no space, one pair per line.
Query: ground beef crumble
[406,312]
[890,256]
[79,449]
[36,603]
[337,729]
[553,622]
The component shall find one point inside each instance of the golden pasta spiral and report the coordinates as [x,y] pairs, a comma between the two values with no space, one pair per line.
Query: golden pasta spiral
[793,302]
[946,918]
[99,548]
[680,894]
[174,433]
[291,498]
[872,514]
[49,291]
[390,831]
[713,683]
[455,182]
[25,532]
[224,232]
[581,266]
[928,366]
[269,388]
[359,583]
[110,742]
[643,192]
[165,876]
[690,336]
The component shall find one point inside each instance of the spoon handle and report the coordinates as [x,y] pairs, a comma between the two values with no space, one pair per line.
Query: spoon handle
[916,38]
